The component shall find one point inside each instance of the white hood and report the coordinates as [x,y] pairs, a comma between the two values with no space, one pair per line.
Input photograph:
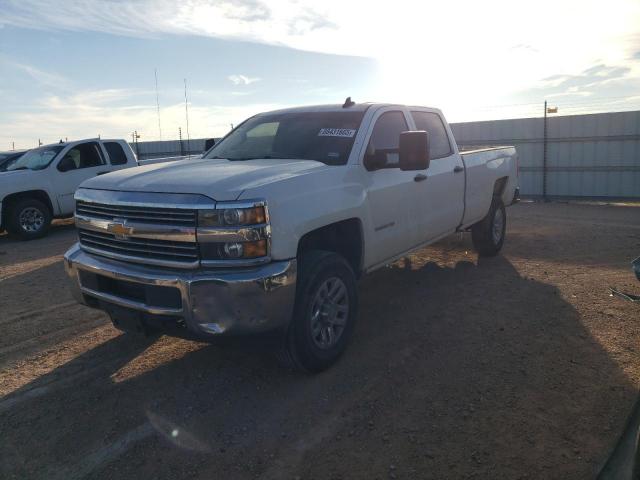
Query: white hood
[221,180]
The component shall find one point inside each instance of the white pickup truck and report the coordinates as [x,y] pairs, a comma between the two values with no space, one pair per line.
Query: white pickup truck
[271,230]
[39,185]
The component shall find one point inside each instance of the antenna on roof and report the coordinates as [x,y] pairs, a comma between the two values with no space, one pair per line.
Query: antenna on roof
[348,103]
[155,72]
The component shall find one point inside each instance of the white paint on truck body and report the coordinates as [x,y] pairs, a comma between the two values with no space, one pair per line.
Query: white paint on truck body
[397,213]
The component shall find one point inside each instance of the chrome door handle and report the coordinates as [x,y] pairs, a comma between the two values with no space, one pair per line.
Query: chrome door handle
[458,169]
[419,177]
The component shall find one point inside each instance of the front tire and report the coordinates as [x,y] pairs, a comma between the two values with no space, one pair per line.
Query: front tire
[28,219]
[488,233]
[325,312]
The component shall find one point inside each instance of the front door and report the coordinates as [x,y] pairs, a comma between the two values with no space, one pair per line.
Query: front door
[387,188]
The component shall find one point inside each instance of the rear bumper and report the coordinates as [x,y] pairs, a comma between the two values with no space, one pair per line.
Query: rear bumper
[197,303]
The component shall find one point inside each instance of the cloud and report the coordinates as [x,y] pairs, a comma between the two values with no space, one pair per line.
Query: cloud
[247,10]
[251,20]
[242,79]
[42,77]
[581,84]
[90,113]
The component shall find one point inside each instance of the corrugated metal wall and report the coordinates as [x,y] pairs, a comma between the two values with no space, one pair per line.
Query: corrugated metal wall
[594,155]
[168,148]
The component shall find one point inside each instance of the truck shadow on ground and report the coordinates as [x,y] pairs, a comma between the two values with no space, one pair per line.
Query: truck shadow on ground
[453,372]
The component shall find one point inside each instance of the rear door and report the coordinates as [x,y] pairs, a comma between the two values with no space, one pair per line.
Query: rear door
[77,163]
[437,202]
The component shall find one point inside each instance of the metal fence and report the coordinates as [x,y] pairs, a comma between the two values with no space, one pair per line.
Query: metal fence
[595,155]
[168,148]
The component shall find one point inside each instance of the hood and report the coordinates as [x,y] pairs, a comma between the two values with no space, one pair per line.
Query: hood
[220,180]
[15,173]
[16,177]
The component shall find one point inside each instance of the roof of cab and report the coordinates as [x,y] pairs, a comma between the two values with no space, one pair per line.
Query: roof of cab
[333,107]
[338,107]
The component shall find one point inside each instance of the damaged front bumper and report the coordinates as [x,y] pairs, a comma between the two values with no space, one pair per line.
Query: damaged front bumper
[201,303]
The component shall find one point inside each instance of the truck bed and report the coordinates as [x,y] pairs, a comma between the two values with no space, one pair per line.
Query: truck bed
[485,170]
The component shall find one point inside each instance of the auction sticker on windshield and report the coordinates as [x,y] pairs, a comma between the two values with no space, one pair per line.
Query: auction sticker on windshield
[337,132]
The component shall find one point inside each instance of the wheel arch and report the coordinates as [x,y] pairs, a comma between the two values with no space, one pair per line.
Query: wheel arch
[344,237]
[499,186]
[39,195]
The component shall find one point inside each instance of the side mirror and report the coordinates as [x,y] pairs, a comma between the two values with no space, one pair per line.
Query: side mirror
[66,164]
[374,159]
[414,150]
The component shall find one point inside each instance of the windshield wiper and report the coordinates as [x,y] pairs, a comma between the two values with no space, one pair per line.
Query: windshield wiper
[15,169]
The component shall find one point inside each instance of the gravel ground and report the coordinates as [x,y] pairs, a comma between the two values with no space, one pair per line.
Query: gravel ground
[520,366]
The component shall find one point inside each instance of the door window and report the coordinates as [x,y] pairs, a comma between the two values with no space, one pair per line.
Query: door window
[384,144]
[116,153]
[439,145]
[85,155]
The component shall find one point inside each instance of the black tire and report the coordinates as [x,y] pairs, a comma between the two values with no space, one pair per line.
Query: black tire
[28,219]
[488,233]
[320,273]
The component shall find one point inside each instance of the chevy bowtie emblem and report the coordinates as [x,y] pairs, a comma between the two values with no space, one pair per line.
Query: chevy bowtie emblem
[119,229]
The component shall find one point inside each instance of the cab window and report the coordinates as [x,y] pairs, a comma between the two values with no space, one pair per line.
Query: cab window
[116,153]
[384,144]
[85,155]
[439,145]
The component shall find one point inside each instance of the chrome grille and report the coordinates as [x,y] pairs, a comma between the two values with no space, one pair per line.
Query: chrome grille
[161,252]
[167,216]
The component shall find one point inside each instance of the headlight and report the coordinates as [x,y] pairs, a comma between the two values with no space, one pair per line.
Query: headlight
[227,236]
[231,217]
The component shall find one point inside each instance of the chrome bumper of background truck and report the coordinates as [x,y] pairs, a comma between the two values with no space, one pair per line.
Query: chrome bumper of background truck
[204,303]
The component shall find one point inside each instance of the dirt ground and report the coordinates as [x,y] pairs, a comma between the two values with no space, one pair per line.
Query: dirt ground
[519,366]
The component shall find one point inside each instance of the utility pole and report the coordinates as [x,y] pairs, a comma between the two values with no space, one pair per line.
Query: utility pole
[544,150]
[180,137]
[134,138]
[544,156]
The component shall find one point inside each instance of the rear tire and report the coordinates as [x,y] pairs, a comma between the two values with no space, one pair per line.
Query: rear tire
[324,315]
[488,233]
[28,219]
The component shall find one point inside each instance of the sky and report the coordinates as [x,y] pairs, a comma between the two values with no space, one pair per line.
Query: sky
[87,68]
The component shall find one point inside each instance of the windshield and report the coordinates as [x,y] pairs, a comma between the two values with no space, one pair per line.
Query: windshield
[35,159]
[323,136]
[7,157]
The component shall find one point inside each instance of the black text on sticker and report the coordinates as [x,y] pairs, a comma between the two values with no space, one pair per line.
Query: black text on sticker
[337,132]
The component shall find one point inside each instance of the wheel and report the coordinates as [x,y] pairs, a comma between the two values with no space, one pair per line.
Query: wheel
[28,218]
[325,312]
[488,233]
